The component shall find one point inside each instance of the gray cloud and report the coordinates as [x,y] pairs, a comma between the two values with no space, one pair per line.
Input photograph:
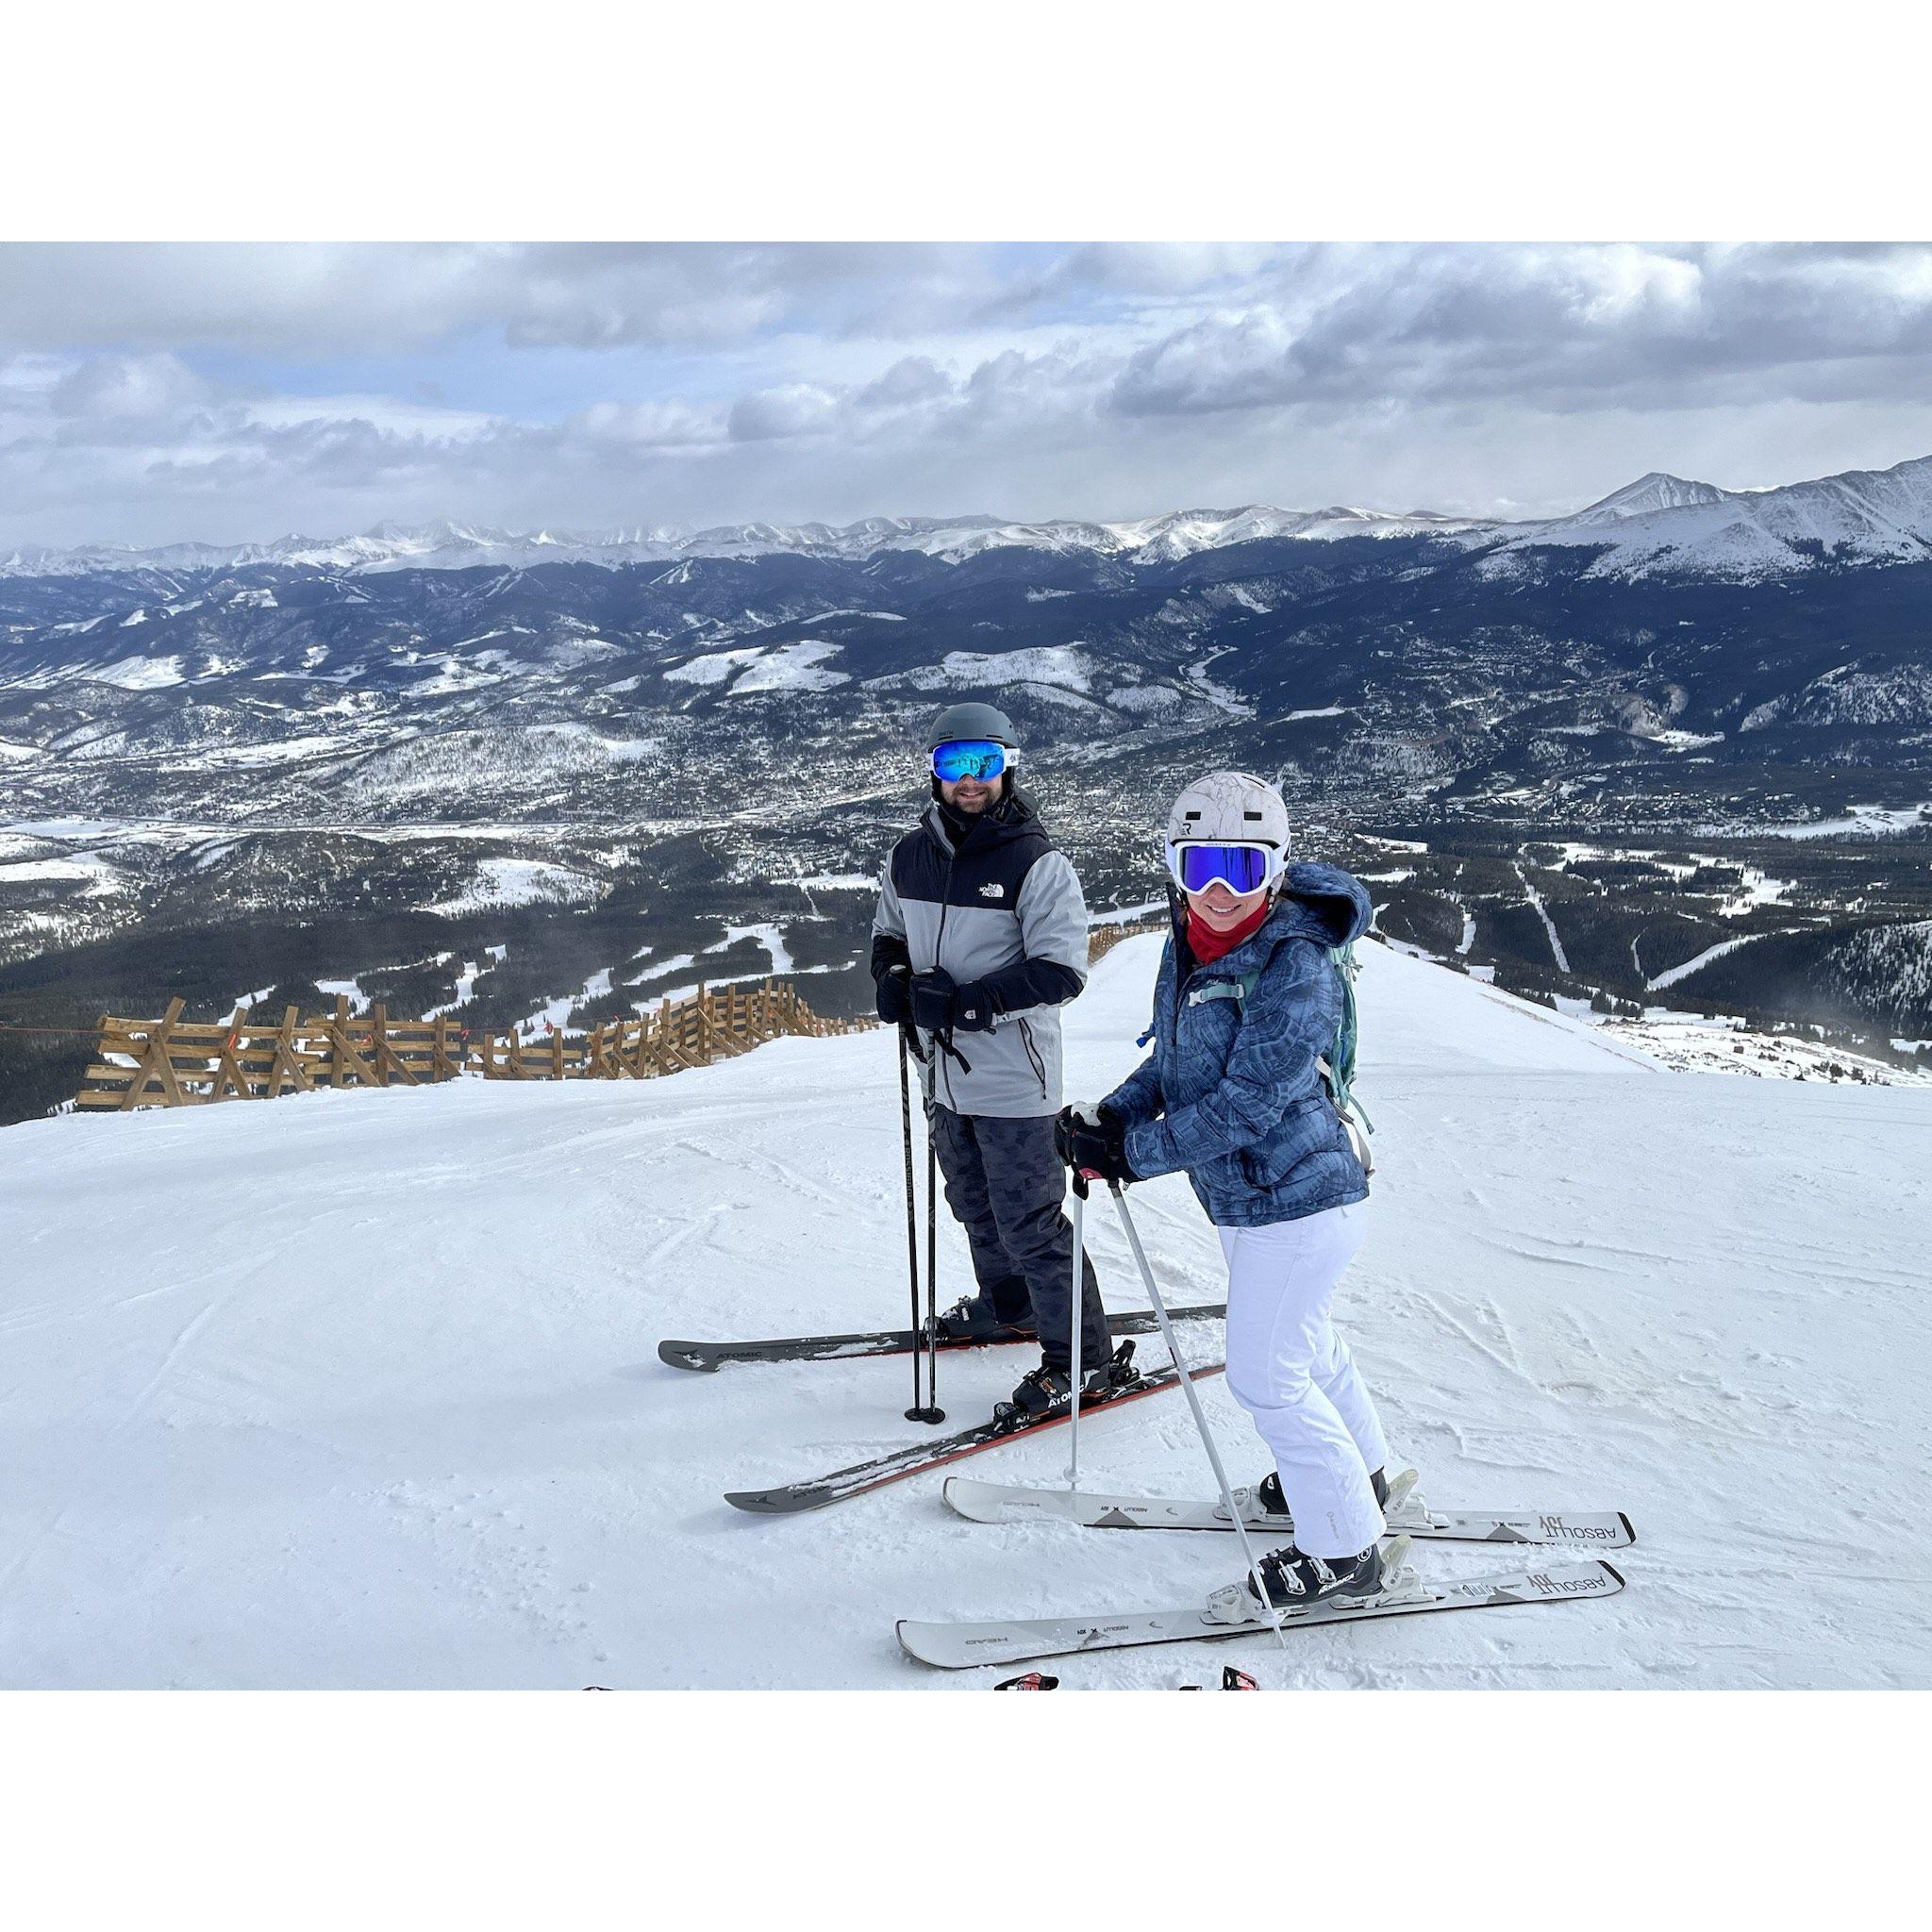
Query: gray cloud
[841,381]
[1565,327]
[306,298]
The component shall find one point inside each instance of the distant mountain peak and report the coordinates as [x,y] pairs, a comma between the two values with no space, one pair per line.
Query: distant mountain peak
[1656,490]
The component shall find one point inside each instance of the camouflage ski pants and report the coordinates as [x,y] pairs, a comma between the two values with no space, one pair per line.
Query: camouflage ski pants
[1005,1187]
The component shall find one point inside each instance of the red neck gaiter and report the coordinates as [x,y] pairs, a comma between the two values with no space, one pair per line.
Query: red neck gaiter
[1209,946]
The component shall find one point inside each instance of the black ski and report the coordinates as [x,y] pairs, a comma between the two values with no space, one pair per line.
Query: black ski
[816,1491]
[709,1356]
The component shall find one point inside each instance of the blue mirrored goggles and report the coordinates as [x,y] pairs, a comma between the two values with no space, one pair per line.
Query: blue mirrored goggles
[1243,869]
[969,757]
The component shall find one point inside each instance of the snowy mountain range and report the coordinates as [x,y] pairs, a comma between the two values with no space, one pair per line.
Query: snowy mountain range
[1659,525]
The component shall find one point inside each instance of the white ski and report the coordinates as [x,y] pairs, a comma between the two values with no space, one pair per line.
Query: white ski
[963,1646]
[1405,1512]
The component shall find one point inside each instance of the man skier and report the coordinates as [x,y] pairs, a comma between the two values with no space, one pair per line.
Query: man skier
[980,938]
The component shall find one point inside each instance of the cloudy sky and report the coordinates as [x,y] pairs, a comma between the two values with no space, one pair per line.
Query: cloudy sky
[152,392]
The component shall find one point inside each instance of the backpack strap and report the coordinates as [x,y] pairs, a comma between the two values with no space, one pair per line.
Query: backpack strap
[1337,1067]
[1225,989]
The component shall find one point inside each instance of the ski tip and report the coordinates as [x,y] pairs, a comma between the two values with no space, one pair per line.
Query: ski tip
[1616,1576]
[906,1630]
[968,1497]
[686,1354]
[1629,1530]
[766,1502]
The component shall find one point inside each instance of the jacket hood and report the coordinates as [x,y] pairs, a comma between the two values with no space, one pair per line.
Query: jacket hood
[1323,902]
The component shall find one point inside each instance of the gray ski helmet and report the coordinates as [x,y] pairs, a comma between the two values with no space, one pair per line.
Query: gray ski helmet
[1230,807]
[971,720]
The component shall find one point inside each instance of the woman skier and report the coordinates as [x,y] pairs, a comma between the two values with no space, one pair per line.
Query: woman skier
[1237,1094]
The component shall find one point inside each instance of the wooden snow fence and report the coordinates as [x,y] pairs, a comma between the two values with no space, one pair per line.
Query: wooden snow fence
[1104,939]
[174,1062]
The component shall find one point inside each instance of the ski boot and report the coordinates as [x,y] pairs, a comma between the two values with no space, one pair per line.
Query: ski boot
[1298,1582]
[974,1318]
[1265,1504]
[1045,1391]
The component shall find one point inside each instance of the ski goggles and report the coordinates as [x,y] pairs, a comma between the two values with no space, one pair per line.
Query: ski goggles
[970,757]
[1241,868]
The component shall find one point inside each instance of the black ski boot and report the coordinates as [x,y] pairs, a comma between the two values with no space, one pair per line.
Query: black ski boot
[1294,1582]
[1043,1391]
[975,1318]
[1274,1504]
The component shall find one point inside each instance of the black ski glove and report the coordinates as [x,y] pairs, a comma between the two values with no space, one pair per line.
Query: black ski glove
[973,1008]
[894,998]
[934,1001]
[1096,1146]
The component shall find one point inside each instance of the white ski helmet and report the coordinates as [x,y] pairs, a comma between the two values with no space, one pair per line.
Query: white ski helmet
[1231,808]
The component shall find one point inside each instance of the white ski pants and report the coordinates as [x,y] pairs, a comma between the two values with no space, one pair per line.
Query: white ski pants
[1294,1376]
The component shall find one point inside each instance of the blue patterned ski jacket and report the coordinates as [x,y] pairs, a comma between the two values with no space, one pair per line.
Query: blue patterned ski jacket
[1231,1093]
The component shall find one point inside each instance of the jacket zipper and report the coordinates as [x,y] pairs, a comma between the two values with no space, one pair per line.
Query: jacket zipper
[939,950]
[1033,1054]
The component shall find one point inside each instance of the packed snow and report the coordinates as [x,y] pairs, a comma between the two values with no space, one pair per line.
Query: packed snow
[349,989]
[1714,1044]
[1060,665]
[714,667]
[520,882]
[1861,820]
[1543,912]
[139,674]
[422,1438]
[769,936]
[791,667]
[88,867]
[1698,962]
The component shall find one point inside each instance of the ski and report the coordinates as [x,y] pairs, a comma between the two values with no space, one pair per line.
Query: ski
[709,1356]
[815,1492]
[964,1646]
[1405,1512]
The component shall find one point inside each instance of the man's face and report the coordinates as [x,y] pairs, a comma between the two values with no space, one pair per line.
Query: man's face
[969,795]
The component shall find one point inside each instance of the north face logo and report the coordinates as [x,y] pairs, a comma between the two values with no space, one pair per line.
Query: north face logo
[993,891]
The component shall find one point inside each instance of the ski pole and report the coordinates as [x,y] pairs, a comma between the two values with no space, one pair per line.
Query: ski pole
[933,1413]
[912,1207]
[1077,1318]
[1173,1349]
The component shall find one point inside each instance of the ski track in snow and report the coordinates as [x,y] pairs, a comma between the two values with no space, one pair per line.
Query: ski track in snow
[1697,964]
[1543,912]
[362,1389]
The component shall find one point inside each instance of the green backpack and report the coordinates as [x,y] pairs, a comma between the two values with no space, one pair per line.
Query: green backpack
[1337,1067]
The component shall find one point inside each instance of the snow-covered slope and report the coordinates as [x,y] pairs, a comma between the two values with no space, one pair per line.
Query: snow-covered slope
[362,1388]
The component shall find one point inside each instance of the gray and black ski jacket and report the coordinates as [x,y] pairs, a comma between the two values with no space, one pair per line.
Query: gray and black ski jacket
[1002,910]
